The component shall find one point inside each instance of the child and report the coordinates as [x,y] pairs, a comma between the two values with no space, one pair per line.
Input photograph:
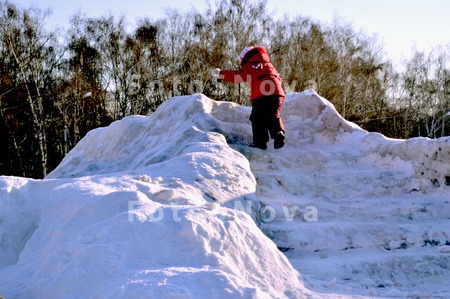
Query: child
[266,94]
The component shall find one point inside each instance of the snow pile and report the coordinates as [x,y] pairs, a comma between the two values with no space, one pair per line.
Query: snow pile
[356,212]
[148,207]
[176,205]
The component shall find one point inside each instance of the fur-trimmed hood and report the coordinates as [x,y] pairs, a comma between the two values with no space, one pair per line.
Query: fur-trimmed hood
[256,54]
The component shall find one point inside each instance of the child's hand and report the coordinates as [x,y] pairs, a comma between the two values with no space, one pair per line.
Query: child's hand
[215,72]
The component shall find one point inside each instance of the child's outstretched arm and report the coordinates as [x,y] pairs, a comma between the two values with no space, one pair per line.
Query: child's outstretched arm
[232,76]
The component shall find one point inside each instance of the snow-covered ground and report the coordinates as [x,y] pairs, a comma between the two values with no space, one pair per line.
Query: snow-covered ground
[176,205]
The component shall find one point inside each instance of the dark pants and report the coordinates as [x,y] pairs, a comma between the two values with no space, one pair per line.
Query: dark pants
[265,118]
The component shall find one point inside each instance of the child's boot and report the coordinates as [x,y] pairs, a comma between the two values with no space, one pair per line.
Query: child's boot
[279,140]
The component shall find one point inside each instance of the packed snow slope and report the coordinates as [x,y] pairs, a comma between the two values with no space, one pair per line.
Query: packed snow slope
[176,205]
[144,208]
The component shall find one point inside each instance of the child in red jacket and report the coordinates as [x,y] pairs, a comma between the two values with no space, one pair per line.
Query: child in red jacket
[266,94]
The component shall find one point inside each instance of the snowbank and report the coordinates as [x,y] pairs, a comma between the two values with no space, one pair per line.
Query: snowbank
[175,204]
[147,207]
[312,120]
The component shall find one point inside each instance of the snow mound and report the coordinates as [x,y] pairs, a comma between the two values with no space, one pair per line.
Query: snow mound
[356,212]
[312,120]
[156,206]
[181,126]
[98,247]
[176,205]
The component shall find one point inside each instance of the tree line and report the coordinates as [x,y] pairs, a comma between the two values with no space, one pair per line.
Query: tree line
[56,85]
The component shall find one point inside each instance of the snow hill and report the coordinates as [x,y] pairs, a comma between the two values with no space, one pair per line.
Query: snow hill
[176,205]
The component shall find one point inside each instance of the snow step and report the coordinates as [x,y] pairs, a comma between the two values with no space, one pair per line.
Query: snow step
[316,237]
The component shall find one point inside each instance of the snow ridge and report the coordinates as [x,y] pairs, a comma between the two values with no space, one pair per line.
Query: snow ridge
[176,205]
[147,207]
[367,214]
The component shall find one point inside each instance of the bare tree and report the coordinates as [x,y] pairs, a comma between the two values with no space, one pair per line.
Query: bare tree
[426,81]
[30,49]
[147,89]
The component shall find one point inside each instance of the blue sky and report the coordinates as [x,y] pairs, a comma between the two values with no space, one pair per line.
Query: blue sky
[399,24]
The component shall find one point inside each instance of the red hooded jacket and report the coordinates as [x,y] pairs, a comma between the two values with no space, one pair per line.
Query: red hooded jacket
[257,71]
